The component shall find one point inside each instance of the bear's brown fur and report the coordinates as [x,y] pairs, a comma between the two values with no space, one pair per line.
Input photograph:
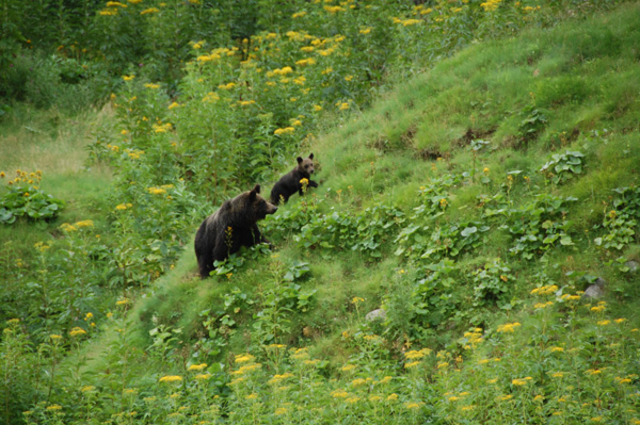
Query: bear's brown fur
[234,225]
[291,183]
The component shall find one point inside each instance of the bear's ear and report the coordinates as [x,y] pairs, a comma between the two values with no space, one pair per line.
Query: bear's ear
[311,156]
[299,159]
[256,189]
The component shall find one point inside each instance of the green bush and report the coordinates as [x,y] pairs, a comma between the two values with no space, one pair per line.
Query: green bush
[22,197]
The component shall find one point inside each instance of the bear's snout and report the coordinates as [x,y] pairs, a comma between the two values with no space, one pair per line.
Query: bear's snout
[271,209]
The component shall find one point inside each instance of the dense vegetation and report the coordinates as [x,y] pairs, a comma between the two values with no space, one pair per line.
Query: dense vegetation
[478,164]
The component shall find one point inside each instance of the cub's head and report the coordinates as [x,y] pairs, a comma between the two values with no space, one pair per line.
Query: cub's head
[306,166]
[257,205]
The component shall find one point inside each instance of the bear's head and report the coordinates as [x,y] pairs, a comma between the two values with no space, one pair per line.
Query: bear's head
[256,206]
[305,166]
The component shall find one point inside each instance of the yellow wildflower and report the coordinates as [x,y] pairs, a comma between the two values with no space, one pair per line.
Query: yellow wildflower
[244,358]
[77,331]
[197,367]
[339,394]
[490,5]
[150,10]
[203,376]
[156,190]
[508,327]
[348,368]
[286,130]
[171,378]
[83,223]
[334,9]
[385,380]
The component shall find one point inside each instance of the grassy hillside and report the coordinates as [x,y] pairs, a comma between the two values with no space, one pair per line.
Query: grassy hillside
[474,204]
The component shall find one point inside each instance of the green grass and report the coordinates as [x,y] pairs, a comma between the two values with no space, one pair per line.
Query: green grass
[377,158]
[581,76]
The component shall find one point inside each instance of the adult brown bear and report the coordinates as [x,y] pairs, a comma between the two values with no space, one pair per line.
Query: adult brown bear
[234,225]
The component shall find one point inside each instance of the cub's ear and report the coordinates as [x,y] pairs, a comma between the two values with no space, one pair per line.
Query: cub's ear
[311,156]
[256,189]
[299,159]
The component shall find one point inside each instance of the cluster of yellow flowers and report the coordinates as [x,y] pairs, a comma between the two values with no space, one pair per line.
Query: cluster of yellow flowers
[160,190]
[211,97]
[545,290]
[406,22]
[284,131]
[280,71]
[134,154]
[521,381]
[24,177]
[77,331]
[474,337]
[508,327]
[279,378]
[162,128]
[541,306]
[66,227]
[569,297]
[197,367]
[490,5]
[421,10]
[602,306]
[150,10]
[171,378]
[417,354]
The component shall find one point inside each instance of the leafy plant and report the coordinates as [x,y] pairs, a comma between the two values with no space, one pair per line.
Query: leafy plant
[535,120]
[563,167]
[364,232]
[621,222]
[22,197]
[492,284]
[539,225]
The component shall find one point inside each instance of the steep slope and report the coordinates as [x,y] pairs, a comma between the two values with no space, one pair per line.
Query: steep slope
[473,205]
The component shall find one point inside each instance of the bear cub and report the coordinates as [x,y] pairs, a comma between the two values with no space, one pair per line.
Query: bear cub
[234,225]
[290,182]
